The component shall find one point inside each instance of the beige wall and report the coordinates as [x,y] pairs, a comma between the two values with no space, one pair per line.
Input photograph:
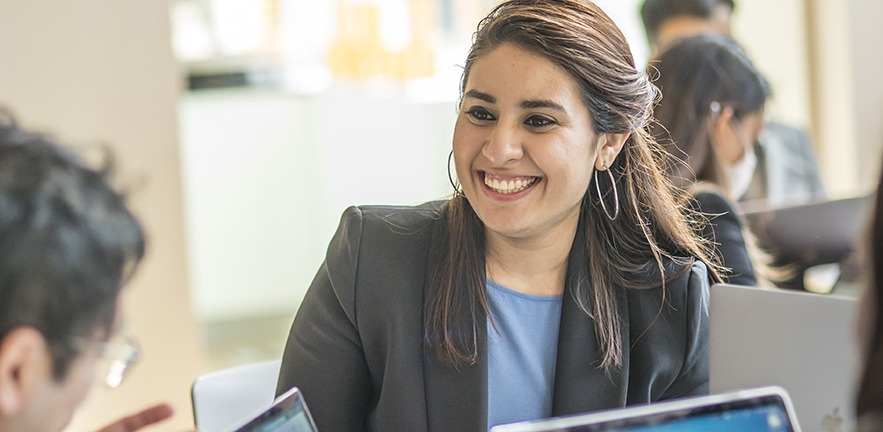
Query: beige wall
[847,89]
[774,35]
[866,32]
[823,61]
[833,91]
[101,71]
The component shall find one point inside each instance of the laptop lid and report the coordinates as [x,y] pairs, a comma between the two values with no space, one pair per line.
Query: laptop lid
[801,341]
[288,413]
[759,410]
[808,234]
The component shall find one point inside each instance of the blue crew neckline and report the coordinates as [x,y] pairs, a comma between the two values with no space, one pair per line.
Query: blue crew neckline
[534,297]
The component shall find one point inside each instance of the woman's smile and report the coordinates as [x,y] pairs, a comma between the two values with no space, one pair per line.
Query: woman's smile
[507,185]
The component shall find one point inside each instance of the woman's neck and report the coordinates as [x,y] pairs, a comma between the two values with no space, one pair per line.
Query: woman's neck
[536,265]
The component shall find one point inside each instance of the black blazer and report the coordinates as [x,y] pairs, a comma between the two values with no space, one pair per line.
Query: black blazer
[357,351]
[724,229]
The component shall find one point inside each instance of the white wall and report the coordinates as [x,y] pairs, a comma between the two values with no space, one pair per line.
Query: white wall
[268,174]
[101,71]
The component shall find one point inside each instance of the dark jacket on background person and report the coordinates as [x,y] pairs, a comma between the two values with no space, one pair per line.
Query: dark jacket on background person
[725,230]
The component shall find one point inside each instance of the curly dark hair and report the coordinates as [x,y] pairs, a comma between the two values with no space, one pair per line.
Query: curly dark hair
[67,243]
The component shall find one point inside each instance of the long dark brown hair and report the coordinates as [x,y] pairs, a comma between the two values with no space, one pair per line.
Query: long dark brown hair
[870,388]
[653,224]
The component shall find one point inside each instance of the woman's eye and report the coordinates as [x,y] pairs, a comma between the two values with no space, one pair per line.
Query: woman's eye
[537,121]
[480,114]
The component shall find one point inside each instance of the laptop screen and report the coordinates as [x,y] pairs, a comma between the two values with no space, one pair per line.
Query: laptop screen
[760,410]
[289,413]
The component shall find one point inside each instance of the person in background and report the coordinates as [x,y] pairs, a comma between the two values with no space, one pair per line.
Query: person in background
[561,277]
[710,114]
[668,20]
[67,246]
[787,171]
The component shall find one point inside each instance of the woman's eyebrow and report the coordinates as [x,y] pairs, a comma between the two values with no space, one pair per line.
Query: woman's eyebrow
[542,103]
[526,104]
[481,96]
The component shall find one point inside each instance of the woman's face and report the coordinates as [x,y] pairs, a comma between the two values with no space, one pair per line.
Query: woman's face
[524,144]
[736,136]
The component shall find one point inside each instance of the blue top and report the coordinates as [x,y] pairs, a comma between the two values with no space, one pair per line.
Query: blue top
[522,350]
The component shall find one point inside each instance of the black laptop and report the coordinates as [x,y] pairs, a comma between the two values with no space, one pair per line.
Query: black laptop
[814,233]
[810,234]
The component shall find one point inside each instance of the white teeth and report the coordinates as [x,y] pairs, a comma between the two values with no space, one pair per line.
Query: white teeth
[508,187]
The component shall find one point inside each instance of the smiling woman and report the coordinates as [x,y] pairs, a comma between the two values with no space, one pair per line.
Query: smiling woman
[522,122]
[540,288]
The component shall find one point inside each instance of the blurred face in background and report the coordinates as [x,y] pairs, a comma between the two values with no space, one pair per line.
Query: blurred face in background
[736,136]
[32,398]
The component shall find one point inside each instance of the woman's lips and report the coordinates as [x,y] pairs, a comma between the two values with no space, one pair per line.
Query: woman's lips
[508,184]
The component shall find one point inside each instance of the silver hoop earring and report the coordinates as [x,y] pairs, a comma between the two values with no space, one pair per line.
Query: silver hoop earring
[457,189]
[615,195]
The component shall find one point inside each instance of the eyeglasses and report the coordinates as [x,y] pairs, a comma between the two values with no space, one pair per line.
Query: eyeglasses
[117,356]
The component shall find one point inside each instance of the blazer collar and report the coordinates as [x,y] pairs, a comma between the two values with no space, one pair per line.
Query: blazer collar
[458,396]
[580,383]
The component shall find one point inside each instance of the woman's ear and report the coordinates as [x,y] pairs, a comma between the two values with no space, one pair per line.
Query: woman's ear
[25,363]
[721,124]
[609,146]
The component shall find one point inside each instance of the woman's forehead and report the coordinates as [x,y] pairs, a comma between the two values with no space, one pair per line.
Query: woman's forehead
[512,70]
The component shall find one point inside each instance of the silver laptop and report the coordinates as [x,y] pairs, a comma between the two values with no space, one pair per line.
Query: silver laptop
[289,413]
[765,409]
[800,341]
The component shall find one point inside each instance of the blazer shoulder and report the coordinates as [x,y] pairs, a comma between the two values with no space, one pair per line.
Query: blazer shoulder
[695,277]
[399,219]
[688,287]
[378,248]
[712,203]
[364,229]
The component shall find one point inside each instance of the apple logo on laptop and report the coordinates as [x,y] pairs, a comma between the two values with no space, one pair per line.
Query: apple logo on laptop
[833,422]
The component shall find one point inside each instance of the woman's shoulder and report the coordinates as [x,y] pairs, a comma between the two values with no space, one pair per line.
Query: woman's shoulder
[365,229]
[686,281]
[710,200]
[670,270]
[373,241]
[400,219]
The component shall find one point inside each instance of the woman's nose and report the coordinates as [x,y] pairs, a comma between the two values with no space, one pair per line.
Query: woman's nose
[504,144]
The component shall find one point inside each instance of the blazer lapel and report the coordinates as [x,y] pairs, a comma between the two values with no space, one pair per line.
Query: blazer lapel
[458,396]
[580,383]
